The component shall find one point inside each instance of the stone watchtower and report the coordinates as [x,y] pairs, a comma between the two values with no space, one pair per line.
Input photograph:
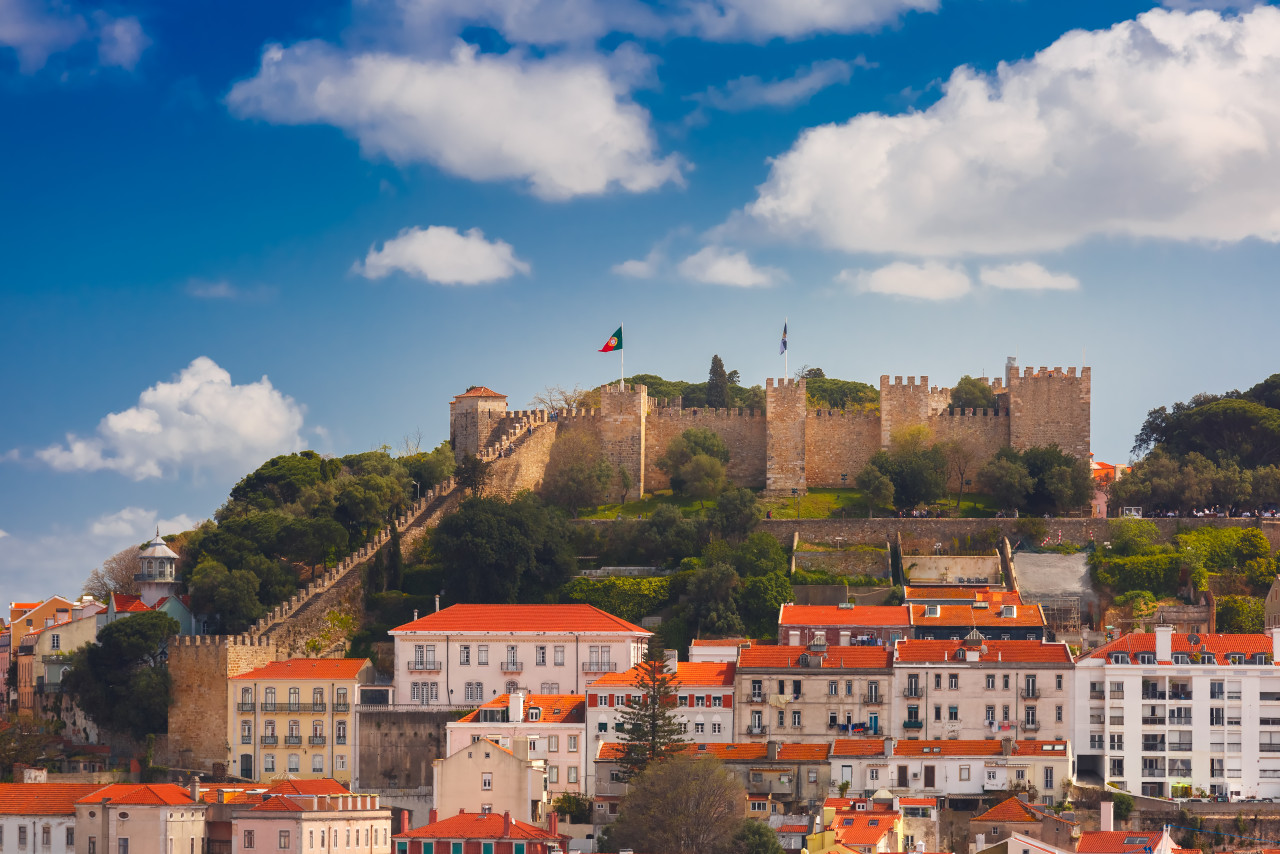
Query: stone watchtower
[622,434]
[474,417]
[157,574]
[786,408]
[1049,407]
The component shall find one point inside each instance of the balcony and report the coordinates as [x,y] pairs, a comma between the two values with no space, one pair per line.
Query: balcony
[912,692]
[511,666]
[272,707]
[1153,746]
[756,698]
[293,739]
[872,700]
[769,787]
[1269,748]
[756,730]
[1031,726]
[1179,695]
[1029,693]
[599,667]
[316,740]
[429,665]
[339,739]
[1096,695]
[315,707]
[1182,746]
[339,708]
[1153,773]
[270,741]
[245,707]
[1152,694]
[913,724]
[1116,720]
[1153,720]
[1117,695]
[1180,720]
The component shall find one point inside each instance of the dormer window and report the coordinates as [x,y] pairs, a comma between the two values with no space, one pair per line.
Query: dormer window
[1146,658]
[1235,658]
[1009,611]
[1119,658]
[535,714]
[931,610]
[1181,658]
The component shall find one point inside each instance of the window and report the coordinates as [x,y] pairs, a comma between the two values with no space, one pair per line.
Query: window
[71,838]
[953,681]
[1004,713]
[474,691]
[1057,714]
[317,729]
[991,681]
[340,762]
[964,772]
[317,763]
[295,729]
[572,775]
[55,642]
[295,763]
[833,687]
[699,728]
[717,702]
[22,836]
[269,762]
[419,655]
[46,834]
[1048,779]
[246,732]
[795,719]
[953,713]
[248,839]
[937,713]
[311,839]
[873,774]
[758,806]
[93,845]
[246,695]
[540,656]
[782,718]
[1095,741]
[831,719]
[1117,741]
[340,732]
[848,687]
[937,681]
[486,781]
[757,690]
[553,743]
[1004,682]
[913,713]
[464,654]
[700,701]
[317,697]
[553,774]
[295,698]
[1117,767]
[269,698]
[795,687]
[559,656]
[482,653]
[122,845]
[1057,682]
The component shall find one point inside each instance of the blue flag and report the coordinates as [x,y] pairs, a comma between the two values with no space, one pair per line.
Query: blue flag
[783,347]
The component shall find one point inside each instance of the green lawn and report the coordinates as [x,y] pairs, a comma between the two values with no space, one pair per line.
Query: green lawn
[818,503]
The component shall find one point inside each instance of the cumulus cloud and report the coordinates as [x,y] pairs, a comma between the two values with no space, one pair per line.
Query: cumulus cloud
[36,30]
[199,420]
[1159,127]
[931,280]
[565,125]
[138,522]
[439,253]
[761,20]
[641,268]
[1027,276]
[715,265]
[746,93]
[3,534]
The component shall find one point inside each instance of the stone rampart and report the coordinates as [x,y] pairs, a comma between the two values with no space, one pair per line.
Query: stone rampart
[397,747]
[743,432]
[838,443]
[787,406]
[1050,407]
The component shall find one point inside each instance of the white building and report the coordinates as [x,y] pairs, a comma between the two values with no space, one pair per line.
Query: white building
[40,817]
[704,700]
[466,655]
[1172,715]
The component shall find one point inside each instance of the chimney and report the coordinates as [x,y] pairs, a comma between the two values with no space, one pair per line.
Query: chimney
[415,613]
[672,658]
[404,820]
[979,842]
[772,749]
[432,817]
[195,788]
[506,824]
[1108,815]
[553,823]
[437,603]
[1164,644]
[515,707]
[1275,644]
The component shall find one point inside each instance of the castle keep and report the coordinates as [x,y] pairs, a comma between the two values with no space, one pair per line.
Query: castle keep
[788,446]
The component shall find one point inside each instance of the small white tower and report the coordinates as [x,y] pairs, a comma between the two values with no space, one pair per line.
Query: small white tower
[157,575]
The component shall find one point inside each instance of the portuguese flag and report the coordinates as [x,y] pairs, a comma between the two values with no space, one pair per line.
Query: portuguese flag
[614,342]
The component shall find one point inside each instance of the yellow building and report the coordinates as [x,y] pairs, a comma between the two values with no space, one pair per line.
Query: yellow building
[295,717]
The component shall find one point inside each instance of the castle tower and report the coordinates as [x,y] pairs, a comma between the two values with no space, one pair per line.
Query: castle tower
[1050,407]
[622,433]
[157,574]
[474,416]
[786,410]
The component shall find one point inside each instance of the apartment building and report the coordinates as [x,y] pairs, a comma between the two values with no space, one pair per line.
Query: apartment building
[298,823]
[487,833]
[26,616]
[856,825]
[127,818]
[40,818]
[797,693]
[1014,815]
[977,688]
[553,724]
[1170,714]
[488,777]
[295,717]
[842,625]
[465,655]
[704,699]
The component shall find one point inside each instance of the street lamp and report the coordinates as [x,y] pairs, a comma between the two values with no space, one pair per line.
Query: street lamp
[795,501]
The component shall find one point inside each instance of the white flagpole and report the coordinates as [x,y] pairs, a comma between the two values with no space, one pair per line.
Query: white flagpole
[786,354]
[622,357]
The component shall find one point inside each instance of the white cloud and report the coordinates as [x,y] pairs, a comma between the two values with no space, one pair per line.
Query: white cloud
[715,265]
[745,93]
[563,124]
[1160,127]
[1217,5]
[1027,276]
[931,280]
[641,268]
[199,420]
[212,290]
[3,534]
[761,20]
[440,254]
[37,29]
[136,522]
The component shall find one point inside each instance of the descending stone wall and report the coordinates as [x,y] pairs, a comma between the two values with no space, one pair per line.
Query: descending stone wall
[743,432]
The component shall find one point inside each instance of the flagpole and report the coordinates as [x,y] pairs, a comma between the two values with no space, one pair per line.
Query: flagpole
[786,354]
[622,357]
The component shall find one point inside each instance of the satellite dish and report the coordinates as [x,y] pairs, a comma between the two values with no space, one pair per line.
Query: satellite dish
[1193,639]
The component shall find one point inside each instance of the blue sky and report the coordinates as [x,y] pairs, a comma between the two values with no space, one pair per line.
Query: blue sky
[237,229]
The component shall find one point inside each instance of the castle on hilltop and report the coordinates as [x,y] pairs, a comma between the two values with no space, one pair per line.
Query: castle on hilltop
[787,447]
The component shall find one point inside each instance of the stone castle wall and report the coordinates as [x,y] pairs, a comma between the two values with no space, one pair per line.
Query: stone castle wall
[838,443]
[786,408]
[1050,407]
[743,432]
[398,746]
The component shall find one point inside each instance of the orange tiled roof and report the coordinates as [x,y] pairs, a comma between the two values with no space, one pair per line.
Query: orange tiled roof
[1219,645]
[278,803]
[834,657]
[832,615]
[1021,651]
[802,752]
[471,825]
[967,594]
[720,641]
[43,798]
[1114,841]
[323,786]
[308,668]
[858,747]
[793,828]
[965,747]
[1014,810]
[612,750]
[860,828]
[125,603]
[553,708]
[480,391]
[917,802]
[964,615]
[153,794]
[520,618]
[687,673]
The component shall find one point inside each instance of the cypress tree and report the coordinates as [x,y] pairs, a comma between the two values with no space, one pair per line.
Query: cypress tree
[717,385]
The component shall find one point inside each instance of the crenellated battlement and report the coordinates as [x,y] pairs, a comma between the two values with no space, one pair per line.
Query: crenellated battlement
[844,413]
[970,412]
[704,413]
[784,382]
[1053,373]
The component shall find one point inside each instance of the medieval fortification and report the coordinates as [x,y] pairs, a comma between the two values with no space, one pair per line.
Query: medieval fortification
[787,447]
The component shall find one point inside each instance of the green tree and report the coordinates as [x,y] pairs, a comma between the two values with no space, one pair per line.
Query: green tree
[395,561]
[429,469]
[230,597]
[756,837]
[1008,481]
[1121,805]
[713,596]
[759,554]
[736,512]
[689,444]
[650,729]
[1240,615]
[121,681]
[577,474]
[1252,545]
[717,385]
[681,806]
[972,393]
[703,477]
[762,598]
[24,739]
[472,474]
[876,488]
[624,483]
[961,455]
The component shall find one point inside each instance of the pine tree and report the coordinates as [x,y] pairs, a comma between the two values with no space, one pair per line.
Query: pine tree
[650,730]
[717,385]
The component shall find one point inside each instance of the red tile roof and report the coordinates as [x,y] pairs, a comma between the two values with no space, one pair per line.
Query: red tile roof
[1219,645]
[480,391]
[861,828]
[1021,651]
[323,786]
[833,615]
[966,747]
[688,673]
[520,618]
[964,615]
[793,828]
[1114,841]
[803,752]
[858,747]
[553,708]
[153,794]
[720,641]
[969,594]
[834,657]
[470,825]
[308,668]
[125,603]
[278,803]
[1014,810]
[917,802]
[43,798]
[612,750]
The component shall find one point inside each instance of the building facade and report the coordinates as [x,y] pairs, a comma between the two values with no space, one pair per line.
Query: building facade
[704,700]
[843,625]
[126,818]
[490,778]
[552,724]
